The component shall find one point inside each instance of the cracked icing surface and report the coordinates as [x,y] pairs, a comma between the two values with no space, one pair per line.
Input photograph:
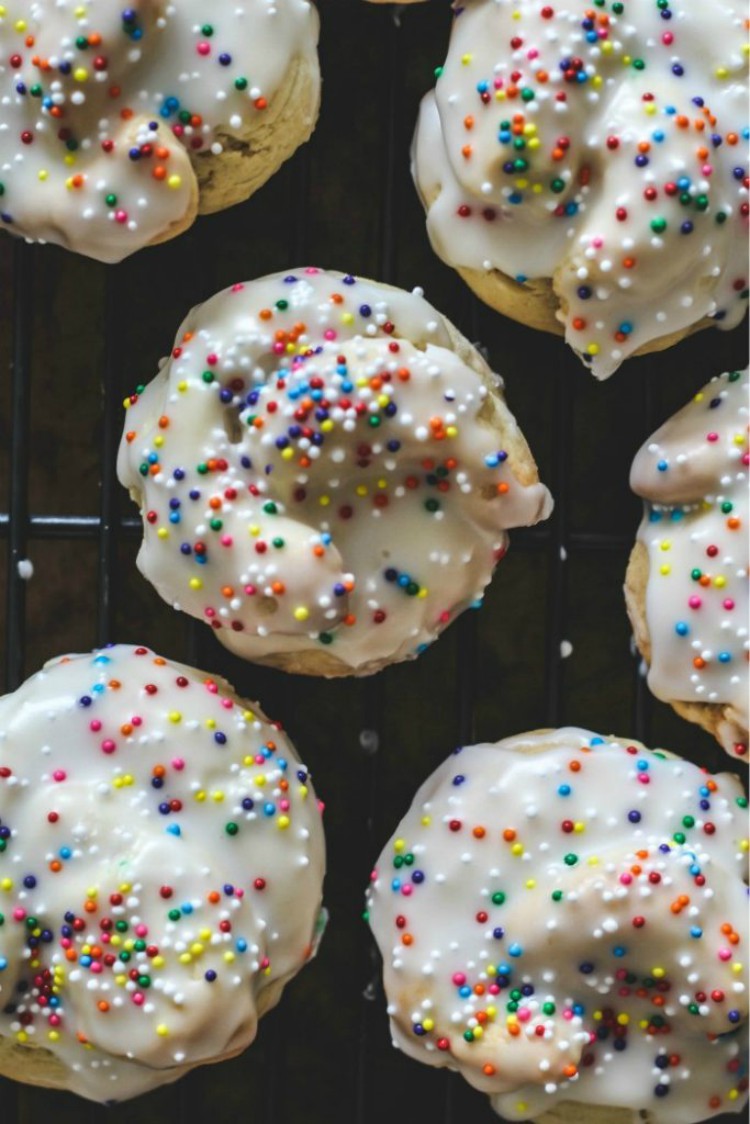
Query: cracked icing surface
[104,106]
[563,917]
[600,145]
[327,472]
[161,863]
[693,475]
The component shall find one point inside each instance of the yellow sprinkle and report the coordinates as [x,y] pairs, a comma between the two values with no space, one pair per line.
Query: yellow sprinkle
[185,958]
[597,81]
[531,883]
[125,887]
[217,796]
[288,453]
[466,59]
[182,386]
[643,1024]
[422,594]
[578,827]
[593,349]
[699,396]
[737,967]
[248,715]
[426,821]
[739,439]
[301,614]
[121,980]
[195,583]
[534,143]
[451,431]
[623,1019]
[158,962]
[627,59]
[325,426]
[500,95]
[175,716]
[517,849]
[720,581]
[229,958]
[115,940]
[254,529]
[478,1031]
[158,441]
[362,490]
[260,780]
[650,108]
[665,569]
[606,48]
[54,1035]
[593,860]
[744,844]
[658,973]
[665,544]
[69,159]
[200,796]
[598,1015]
[521,1106]
[732,1095]
[428,1024]
[347,318]
[174,182]
[210,723]
[721,72]
[43,174]
[537,189]
[521,184]
[197,949]
[399,844]
[491,1012]
[162,533]
[491,970]
[162,1030]
[324,501]
[283,822]
[6,884]
[22,1036]
[303,791]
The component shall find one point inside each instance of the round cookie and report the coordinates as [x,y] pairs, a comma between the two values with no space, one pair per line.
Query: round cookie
[562,919]
[583,169]
[686,586]
[327,470]
[120,124]
[161,865]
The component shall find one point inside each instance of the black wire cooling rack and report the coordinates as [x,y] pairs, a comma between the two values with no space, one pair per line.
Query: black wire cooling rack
[76,337]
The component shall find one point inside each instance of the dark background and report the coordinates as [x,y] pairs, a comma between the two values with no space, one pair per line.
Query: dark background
[79,336]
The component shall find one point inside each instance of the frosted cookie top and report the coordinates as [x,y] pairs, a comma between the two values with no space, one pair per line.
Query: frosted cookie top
[602,145]
[104,106]
[161,862]
[563,917]
[693,475]
[326,471]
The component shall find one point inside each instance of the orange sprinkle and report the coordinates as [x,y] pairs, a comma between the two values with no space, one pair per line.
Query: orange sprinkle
[509,834]
[479,833]
[407,939]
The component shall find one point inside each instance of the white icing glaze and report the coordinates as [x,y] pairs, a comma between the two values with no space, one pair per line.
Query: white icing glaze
[563,864]
[693,475]
[574,209]
[119,775]
[313,473]
[67,141]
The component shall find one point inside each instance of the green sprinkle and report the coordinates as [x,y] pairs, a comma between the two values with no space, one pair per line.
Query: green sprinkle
[679,837]
[174,915]
[240,83]
[688,821]
[557,895]
[208,376]
[270,508]
[282,305]
[325,638]
[658,225]
[231,828]
[498,897]
[110,200]
[571,859]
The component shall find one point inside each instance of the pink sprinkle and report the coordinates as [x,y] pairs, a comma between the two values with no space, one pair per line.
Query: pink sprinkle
[278,348]
[568,1014]
[725,954]
[459,979]
[204,48]
[239,892]
[494,989]
[177,763]
[406,890]
[644,778]
[533,53]
[626,879]
[237,287]
[212,359]
[707,169]
[694,602]
[667,38]
[138,998]
[59,775]
[524,1014]
[597,243]
[226,540]
[712,437]
[121,216]
[312,270]
[136,720]
[95,725]
[141,930]
[227,704]
[209,612]
[728,604]
[265,962]
[329,334]
[250,590]
[95,967]
[212,688]
[19,914]
[54,1020]
[284,805]
[108,746]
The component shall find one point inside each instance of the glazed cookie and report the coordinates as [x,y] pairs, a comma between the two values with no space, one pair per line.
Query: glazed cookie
[118,125]
[326,471]
[582,167]
[686,586]
[563,920]
[161,863]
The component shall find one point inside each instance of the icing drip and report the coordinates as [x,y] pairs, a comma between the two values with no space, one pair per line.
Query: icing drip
[693,475]
[602,146]
[315,474]
[153,831]
[563,918]
[104,106]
